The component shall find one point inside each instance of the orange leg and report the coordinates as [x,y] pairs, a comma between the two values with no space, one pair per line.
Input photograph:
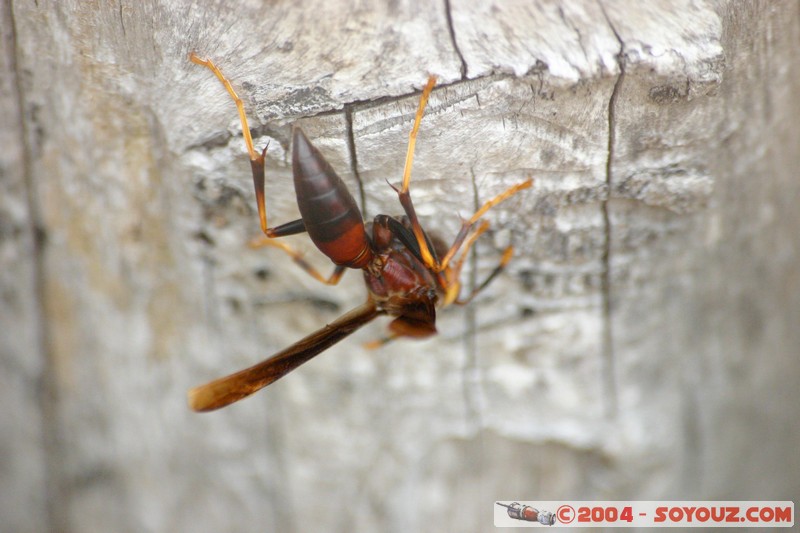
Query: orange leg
[297,257]
[507,253]
[452,275]
[450,280]
[256,159]
[378,343]
[404,195]
[259,177]
[467,226]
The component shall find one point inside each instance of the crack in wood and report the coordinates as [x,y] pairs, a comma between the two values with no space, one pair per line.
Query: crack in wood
[469,375]
[607,342]
[452,31]
[122,20]
[351,147]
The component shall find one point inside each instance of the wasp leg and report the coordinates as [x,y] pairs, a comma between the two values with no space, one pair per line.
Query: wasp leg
[507,253]
[467,226]
[256,159]
[449,277]
[378,343]
[403,194]
[297,257]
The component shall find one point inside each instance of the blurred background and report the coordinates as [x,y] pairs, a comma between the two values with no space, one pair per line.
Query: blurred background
[642,343]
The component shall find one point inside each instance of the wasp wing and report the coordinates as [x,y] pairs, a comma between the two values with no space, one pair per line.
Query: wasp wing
[229,389]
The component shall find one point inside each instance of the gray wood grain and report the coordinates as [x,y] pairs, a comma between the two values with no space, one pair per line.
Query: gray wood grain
[24,476]
[642,343]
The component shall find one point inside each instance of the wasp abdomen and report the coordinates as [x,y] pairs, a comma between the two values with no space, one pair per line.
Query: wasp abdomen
[330,213]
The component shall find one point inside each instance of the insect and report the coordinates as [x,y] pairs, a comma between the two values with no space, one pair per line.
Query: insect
[407,272]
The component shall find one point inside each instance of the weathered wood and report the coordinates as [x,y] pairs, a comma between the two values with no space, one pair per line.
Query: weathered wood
[641,345]
[24,429]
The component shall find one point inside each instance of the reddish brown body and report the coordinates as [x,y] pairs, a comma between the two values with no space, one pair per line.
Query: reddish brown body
[404,274]
[330,214]
[396,277]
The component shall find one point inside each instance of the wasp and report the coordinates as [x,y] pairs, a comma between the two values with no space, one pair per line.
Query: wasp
[407,272]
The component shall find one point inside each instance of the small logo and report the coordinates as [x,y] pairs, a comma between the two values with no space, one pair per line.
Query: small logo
[527,513]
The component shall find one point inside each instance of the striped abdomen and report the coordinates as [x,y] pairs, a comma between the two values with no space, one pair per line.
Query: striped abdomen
[330,213]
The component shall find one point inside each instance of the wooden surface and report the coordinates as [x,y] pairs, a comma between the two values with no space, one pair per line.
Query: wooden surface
[643,343]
